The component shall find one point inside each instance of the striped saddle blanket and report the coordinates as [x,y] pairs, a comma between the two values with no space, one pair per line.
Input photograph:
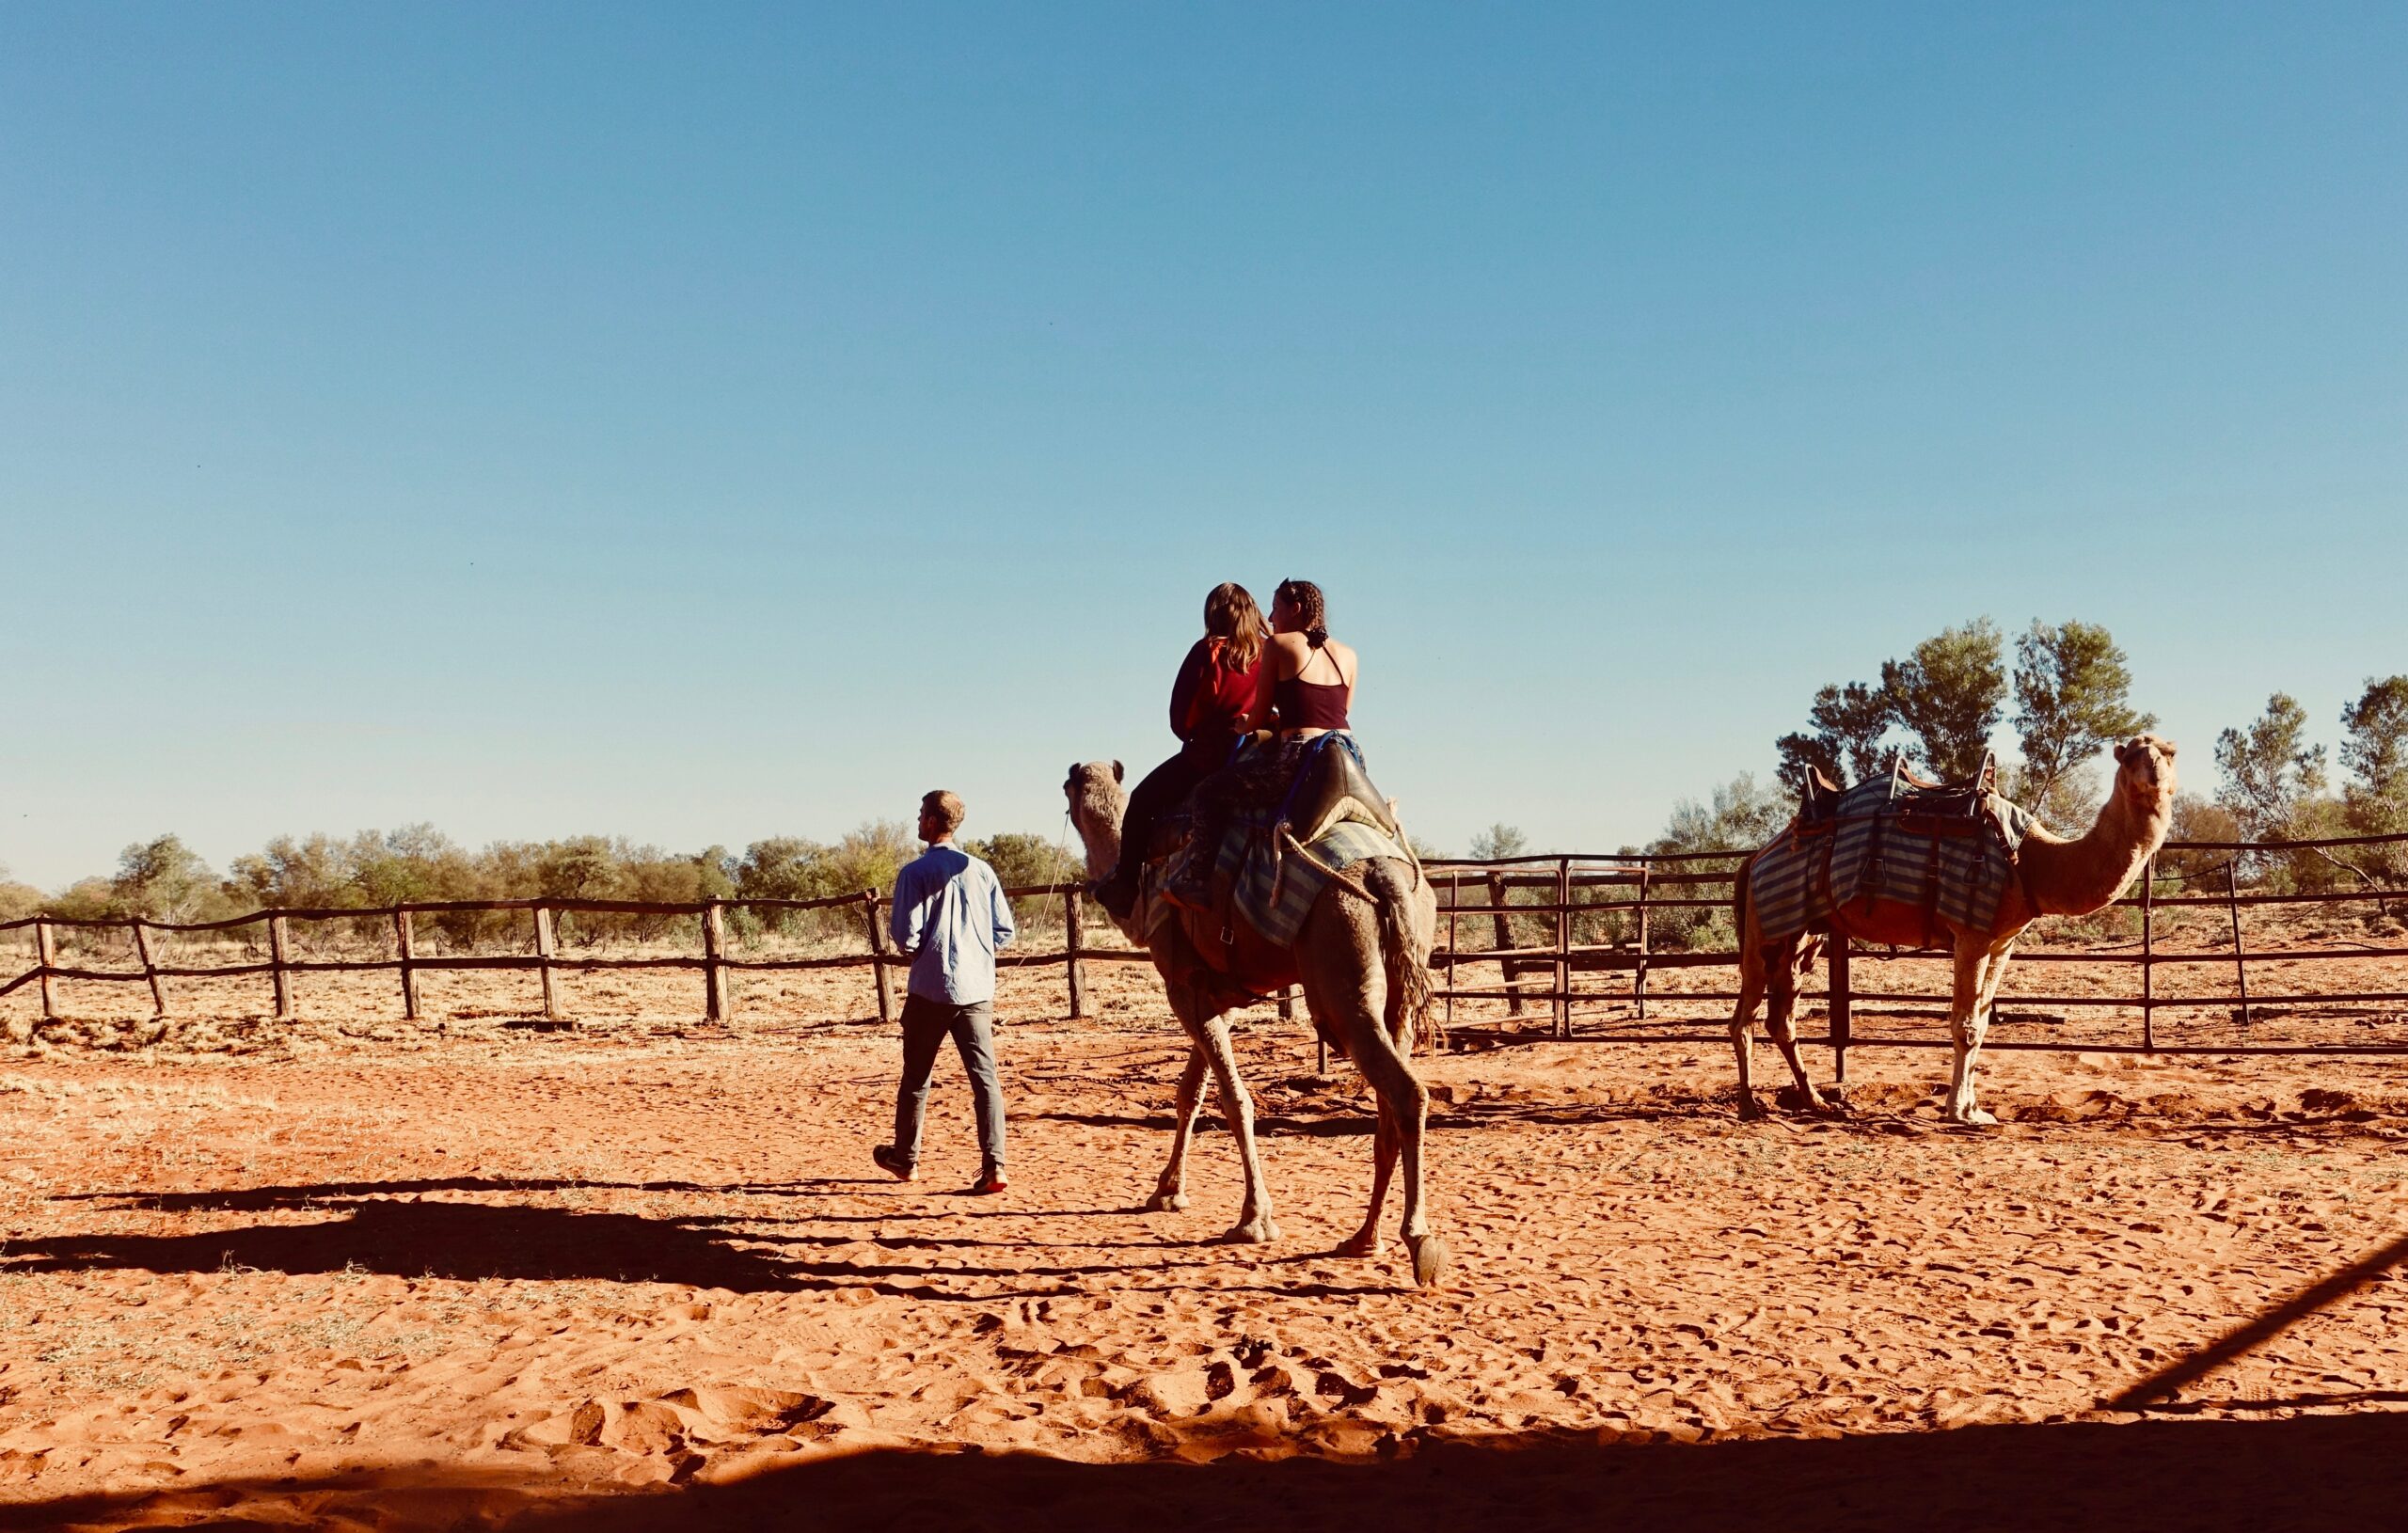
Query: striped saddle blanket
[1889,843]
[1274,892]
[1271,889]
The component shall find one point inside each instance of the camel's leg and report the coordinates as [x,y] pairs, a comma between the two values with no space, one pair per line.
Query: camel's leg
[1406,1102]
[1255,1223]
[1780,1004]
[1743,1019]
[1366,1242]
[1170,1191]
[1968,1020]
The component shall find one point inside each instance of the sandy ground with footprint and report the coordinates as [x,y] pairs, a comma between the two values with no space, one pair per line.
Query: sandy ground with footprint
[360,1272]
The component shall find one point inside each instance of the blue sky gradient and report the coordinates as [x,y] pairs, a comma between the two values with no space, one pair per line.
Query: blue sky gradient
[704,423]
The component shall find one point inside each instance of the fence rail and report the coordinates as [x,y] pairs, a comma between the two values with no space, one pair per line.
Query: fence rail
[714,962]
[1531,975]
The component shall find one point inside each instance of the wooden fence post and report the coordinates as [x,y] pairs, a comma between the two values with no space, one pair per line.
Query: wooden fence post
[150,969]
[877,955]
[1638,975]
[717,1005]
[405,944]
[2240,959]
[1454,899]
[46,955]
[1563,948]
[1071,950]
[278,954]
[543,950]
[2148,957]
[1504,932]
[1842,1009]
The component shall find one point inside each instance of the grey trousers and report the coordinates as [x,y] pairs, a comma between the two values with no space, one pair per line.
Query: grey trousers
[925,1026]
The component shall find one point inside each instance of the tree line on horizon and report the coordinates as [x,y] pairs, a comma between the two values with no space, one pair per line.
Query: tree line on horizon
[164,879]
[1939,708]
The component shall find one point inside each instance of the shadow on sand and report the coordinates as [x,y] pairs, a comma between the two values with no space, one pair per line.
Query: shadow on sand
[2199,1477]
[389,1228]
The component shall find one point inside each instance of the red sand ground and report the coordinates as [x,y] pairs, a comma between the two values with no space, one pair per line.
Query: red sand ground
[257,1275]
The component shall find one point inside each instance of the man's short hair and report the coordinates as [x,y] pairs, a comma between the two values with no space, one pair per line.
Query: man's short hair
[946,807]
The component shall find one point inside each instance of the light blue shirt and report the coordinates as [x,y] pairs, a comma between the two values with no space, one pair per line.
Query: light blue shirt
[950,916]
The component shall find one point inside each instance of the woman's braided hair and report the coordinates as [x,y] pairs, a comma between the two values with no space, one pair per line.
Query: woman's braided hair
[1306,598]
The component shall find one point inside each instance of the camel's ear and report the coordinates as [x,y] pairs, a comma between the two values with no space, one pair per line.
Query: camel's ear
[1115,771]
[2167,746]
[2123,755]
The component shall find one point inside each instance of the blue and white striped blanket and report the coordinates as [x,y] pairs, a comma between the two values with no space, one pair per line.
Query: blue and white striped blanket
[1879,847]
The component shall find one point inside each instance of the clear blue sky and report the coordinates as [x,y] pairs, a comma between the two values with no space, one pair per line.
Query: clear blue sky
[706,423]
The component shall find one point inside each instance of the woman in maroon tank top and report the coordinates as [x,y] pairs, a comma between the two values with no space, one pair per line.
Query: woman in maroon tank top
[1214,701]
[1308,686]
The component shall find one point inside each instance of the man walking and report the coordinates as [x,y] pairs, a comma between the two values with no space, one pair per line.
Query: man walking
[950,916]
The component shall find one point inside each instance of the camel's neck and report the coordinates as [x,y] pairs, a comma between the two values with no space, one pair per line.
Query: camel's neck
[1101,834]
[2077,878]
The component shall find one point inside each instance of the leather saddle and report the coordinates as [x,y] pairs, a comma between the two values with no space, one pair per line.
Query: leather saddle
[1332,788]
[1943,804]
[1818,798]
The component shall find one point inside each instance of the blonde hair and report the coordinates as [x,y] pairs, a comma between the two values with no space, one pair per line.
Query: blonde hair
[1230,615]
[946,807]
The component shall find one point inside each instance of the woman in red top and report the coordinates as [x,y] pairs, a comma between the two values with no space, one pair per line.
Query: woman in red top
[1215,695]
[1307,685]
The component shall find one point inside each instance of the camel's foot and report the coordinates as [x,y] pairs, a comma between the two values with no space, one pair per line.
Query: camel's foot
[1749,1109]
[1974,1117]
[1428,1259]
[1259,1230]
[1363,1243]
[1811,1101]
[1163,1202]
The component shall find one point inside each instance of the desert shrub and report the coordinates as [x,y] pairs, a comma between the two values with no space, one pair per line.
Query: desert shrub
[1737,818]
[1020,860]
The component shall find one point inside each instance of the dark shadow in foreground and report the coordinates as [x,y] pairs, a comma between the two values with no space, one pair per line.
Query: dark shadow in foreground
[2307,1472]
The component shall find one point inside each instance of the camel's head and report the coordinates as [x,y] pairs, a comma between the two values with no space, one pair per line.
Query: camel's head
[2145,772]
[1097,799]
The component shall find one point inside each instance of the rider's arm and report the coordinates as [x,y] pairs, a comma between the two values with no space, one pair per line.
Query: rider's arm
[907,921]
[1191,678]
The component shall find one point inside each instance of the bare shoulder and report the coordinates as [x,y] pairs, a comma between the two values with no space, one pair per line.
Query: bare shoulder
[1344,656]
[1288,651]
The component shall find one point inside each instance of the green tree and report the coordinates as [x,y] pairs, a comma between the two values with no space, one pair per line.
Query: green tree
[1949,693]
[580,867]
[1497,842]
[2374,751]
[293,875]
[2270,772]
[1020,860]
[870,855]
[1739,815]
[16,901]
[2072,693]
[164,879]
[1846,728]
[782,868]
[401,867]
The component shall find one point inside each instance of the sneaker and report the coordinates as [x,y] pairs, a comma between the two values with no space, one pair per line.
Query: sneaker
[990,1182]
[891,1160]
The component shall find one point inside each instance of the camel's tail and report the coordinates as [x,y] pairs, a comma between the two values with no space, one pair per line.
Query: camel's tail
[1410,1013]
